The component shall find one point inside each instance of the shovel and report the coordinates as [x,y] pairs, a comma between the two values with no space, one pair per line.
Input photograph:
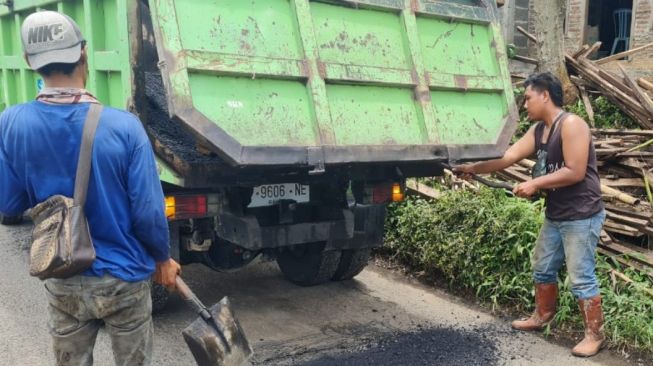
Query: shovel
[215,338]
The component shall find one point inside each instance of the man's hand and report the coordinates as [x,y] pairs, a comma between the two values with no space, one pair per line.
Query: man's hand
[526,189]
[464,171]
[166,274]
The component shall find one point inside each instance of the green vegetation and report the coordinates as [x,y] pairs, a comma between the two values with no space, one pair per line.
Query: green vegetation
[606,114]
[483,242]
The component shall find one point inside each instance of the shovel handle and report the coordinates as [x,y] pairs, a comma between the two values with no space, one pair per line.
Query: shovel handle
[192,300]
[493,184]
[490,183]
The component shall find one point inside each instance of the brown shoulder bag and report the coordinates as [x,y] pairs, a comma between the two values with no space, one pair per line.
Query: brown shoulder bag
[61,241]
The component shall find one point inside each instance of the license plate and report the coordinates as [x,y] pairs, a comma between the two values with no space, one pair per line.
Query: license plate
[270,194]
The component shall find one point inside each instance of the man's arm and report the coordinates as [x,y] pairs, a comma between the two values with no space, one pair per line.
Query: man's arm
[520,150]
[148,212]
[13,196]
[576,139]
[147,204]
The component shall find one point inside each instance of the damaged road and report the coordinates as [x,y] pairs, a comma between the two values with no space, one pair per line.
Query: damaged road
[381,318]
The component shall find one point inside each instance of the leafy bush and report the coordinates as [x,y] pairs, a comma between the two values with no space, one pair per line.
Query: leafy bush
[483,242]
[606,114]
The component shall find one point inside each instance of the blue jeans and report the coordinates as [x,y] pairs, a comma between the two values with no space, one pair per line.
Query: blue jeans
[576,241]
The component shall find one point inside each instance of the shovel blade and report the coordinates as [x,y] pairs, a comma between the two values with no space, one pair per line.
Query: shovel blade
[220,342]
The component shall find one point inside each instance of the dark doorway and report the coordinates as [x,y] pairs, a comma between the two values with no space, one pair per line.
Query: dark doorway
[609,21]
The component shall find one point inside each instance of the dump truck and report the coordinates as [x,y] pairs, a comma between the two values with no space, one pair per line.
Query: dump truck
[283,128]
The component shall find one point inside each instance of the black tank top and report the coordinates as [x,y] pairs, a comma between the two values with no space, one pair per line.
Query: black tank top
[578,201]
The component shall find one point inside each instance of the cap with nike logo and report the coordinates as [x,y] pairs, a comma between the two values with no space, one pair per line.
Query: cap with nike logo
[50,37]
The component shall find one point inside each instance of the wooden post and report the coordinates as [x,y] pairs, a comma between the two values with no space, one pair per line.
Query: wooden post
[587,103]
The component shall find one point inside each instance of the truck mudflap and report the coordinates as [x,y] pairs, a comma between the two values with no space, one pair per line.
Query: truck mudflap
[358,227]
[369,221]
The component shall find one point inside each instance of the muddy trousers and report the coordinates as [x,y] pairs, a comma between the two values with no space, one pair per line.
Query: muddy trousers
[80,305]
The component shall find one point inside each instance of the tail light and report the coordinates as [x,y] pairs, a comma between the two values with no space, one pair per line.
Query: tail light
[381,193]
[191,206]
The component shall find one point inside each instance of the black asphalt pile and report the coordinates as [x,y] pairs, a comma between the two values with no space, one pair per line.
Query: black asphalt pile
[155,91]
[167,131]
[430,346]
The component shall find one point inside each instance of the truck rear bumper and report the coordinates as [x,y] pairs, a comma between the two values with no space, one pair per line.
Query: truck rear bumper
[359,227]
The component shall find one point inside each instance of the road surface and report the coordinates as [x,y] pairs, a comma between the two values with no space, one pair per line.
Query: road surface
[381,318]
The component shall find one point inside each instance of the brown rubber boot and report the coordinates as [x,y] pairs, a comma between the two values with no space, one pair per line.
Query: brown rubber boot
[594,337]
[546,296]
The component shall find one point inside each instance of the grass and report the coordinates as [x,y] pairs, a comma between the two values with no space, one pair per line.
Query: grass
[483,242]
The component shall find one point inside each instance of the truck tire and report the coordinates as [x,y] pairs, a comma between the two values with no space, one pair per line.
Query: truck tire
[10,220]
[160,296]
[352,262]
[308,264]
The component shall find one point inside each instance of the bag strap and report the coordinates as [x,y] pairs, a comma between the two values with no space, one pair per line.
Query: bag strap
[85,154]
[561,117]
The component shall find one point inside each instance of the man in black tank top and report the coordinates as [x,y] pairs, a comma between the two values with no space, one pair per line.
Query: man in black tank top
[567,172]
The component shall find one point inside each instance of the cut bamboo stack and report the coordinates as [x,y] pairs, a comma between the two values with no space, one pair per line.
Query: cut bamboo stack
[630,96]
[634,98]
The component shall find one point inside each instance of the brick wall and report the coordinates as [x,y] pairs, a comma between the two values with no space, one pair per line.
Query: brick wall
[531,28]
[507,17]
[642,29]
[575,21]
[575,24]
[521,8]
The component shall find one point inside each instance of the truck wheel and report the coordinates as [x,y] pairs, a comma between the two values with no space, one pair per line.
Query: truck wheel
[308,264]
[352,262]
[11,220]
[160,296]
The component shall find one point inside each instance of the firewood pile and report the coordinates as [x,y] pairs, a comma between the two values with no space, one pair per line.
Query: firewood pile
[633,97]
[629,95]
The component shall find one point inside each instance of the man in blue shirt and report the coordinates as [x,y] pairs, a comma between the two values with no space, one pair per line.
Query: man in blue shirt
[39,148]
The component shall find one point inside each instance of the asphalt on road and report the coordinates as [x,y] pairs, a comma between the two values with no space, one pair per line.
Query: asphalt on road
[381,318]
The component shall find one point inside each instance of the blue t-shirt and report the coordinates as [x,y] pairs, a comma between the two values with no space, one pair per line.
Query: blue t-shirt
[39,150]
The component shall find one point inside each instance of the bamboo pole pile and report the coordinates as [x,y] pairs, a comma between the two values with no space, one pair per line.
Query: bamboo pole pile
[633,97]
[629,95]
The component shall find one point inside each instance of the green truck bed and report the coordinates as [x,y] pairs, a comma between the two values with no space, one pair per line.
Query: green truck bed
[298,82]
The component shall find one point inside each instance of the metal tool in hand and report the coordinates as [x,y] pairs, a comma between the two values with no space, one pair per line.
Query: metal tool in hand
[215,338]
[490,183]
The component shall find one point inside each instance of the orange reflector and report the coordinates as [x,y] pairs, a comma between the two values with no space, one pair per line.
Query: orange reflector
[170,207]
[397,194]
